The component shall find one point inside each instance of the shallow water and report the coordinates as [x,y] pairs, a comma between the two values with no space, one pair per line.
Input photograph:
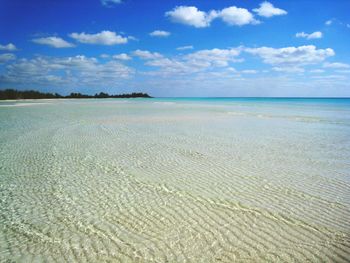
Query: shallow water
[175,180]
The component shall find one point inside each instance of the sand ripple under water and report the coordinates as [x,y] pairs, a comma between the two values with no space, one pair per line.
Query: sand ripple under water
[108,181]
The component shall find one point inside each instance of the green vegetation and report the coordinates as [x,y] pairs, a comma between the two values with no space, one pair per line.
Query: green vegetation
[11,94]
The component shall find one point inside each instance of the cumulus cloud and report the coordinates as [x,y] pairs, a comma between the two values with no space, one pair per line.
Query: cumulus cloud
[313,35]
[192,16]
[105,37]
[122,56]
[73,71]
[197,62]
[6,57]
[214,68]
[184,48]
[145,54]
[291,56]
[159,33]
[169,66]
[336,65]
[216,61]
[214,57]
[237,16]
[266,9]
[55,42]
[110,3]
[8,47]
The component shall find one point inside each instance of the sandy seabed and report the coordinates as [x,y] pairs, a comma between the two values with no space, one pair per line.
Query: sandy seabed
[174,181]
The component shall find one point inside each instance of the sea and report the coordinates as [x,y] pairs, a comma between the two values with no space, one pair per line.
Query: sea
[175,180]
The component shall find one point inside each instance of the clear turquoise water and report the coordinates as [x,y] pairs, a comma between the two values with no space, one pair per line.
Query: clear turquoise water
[175,180]
[260,100]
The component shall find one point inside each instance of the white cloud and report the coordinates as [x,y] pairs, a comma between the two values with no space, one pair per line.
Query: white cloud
[145,54]
[336,65]
[289,69]
[329,22]
[313,35]
[237,16]
[213,61]
[8,47]
[122,56]
[56,42]
[345,71]
[266,9]
[110,3]
[72,71]
[218,61]
[335,21]
[249,71]
[214,57]
[132,38]
[331,77]
[168,66]
[291,56]
[184,48]
[159,33]
[316,34]
[190,15]
[317,71]
[6,57]
[103,38]
[301,34]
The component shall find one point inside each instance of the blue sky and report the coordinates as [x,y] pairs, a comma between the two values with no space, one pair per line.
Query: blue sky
[177,48]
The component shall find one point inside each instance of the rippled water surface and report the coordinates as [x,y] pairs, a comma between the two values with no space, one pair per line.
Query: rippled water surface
[175,180]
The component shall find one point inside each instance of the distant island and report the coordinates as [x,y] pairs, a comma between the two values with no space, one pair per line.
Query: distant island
[12,94]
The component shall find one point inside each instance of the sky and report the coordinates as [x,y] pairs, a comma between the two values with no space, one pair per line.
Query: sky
[175,48]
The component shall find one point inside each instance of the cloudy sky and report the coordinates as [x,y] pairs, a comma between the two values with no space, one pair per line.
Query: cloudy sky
[177,48]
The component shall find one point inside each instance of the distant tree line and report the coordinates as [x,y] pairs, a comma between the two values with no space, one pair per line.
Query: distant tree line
[12,94]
